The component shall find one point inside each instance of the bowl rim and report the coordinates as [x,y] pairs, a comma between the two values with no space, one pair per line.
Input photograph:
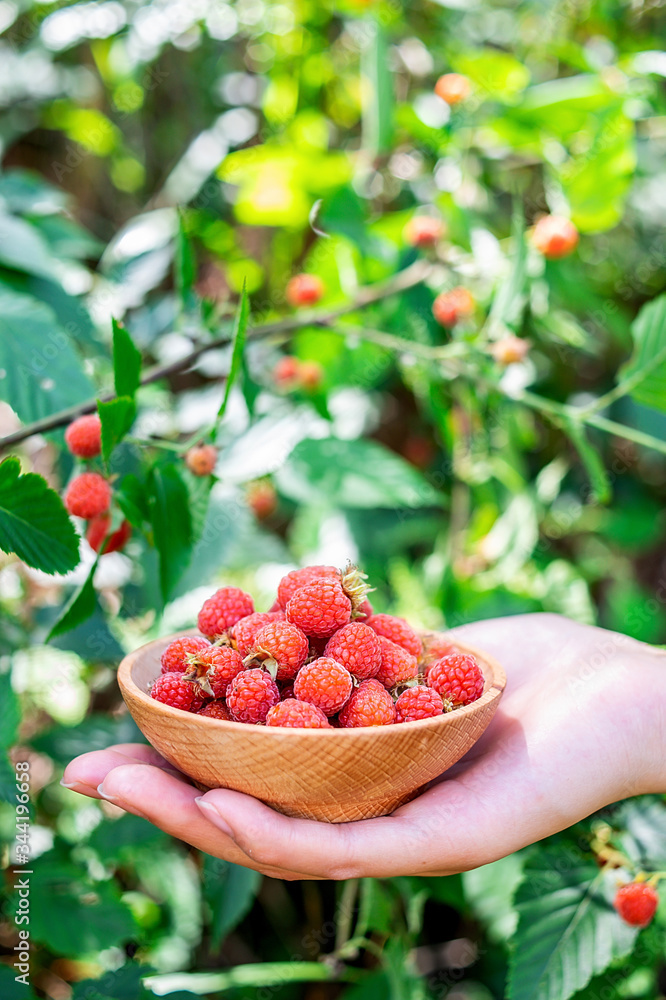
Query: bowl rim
[127,684]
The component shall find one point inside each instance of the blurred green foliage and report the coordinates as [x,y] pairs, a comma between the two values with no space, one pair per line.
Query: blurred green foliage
[156,157]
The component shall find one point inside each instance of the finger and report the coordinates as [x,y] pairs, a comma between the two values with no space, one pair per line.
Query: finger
[86,772]
[169,803]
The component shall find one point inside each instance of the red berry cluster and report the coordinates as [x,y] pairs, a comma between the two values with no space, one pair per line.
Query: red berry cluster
[89,494]
[319,659]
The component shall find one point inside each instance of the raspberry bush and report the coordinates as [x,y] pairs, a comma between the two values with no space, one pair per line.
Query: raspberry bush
[286,284]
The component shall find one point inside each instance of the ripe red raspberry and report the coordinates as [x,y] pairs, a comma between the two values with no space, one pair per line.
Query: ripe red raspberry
[356,647]
[324,683]
[555,237]
[320,608]
[298,578]
[510,350]
[369,705]
[201,459]
[285,373]
[261,499]
[174,658]
[398,631]
[419,702]
[453,88]
[172,689]
[636,903]
[365,609]
[215,709]
[214,668]
[83,437]
[226,607]
[88,495]
[397,664]
[246,629]
[304,290]
[98,536]
[294,714]
[435,647]
[456,678]
[450,307]
[250,695]
[283,648]
[310,374]
[423,231]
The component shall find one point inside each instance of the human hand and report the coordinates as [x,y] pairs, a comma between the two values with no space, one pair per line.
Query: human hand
[582,724]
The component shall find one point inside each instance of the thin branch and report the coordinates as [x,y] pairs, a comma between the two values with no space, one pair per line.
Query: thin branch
[629,384]
[411,276]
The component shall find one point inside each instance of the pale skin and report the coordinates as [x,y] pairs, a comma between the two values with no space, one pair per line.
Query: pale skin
[582,723]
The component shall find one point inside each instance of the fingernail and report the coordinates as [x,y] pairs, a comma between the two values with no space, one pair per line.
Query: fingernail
[105,795]
[76,786]
[212,814]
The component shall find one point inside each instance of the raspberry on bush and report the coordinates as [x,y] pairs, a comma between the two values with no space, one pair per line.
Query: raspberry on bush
[201,459]
[636,903]
[83,437]
[88,495]
[304,290]
[226,607]
[98,537]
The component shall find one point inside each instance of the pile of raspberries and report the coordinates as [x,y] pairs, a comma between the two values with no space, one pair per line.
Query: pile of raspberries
[320,658]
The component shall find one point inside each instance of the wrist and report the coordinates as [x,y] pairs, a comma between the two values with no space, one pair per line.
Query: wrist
[649,671]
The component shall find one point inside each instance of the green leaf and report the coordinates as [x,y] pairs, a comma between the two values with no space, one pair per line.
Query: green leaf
[378,107]
[90,914]
[509,302]
[97,732]
[117,417]
[114,838]
[644,375]
[594,466]
[567,930]
[115,984]
[644,836]
[79,607]
[353,474]
[229,890]
[33,521]
[23,248]
[126,362]
[496,73]
[238,337]
[41,370]
[490,890]
[172,525]
[10,989]
[11,712]
[184,265]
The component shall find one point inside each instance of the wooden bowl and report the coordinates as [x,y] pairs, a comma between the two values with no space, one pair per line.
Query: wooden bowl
[334,775]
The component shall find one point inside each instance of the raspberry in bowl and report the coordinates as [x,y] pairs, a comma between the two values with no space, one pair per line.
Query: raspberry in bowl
[316,713]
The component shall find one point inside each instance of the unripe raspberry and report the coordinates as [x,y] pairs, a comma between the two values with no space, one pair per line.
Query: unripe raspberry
[397,664]
[175,657]
[324,683]
[215,709]
[246,629]
[262,499]
[369,705]
[304,290]
[453,88]
[226,607]
[510,350]
[457,678]
[97,534]
[418,702]
[450,307]
[554,236]
[88,495]
[250,695]
[213,669]
[201,459]
[283,649]
[356,647]
[298,578]
[294,714]
[636,903]
[310,374]
[171,689]
[320,608]
[397,630]
[285,373]
[423,231]
[83,437]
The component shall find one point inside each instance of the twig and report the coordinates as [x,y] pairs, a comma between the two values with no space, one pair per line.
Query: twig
[411,276]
